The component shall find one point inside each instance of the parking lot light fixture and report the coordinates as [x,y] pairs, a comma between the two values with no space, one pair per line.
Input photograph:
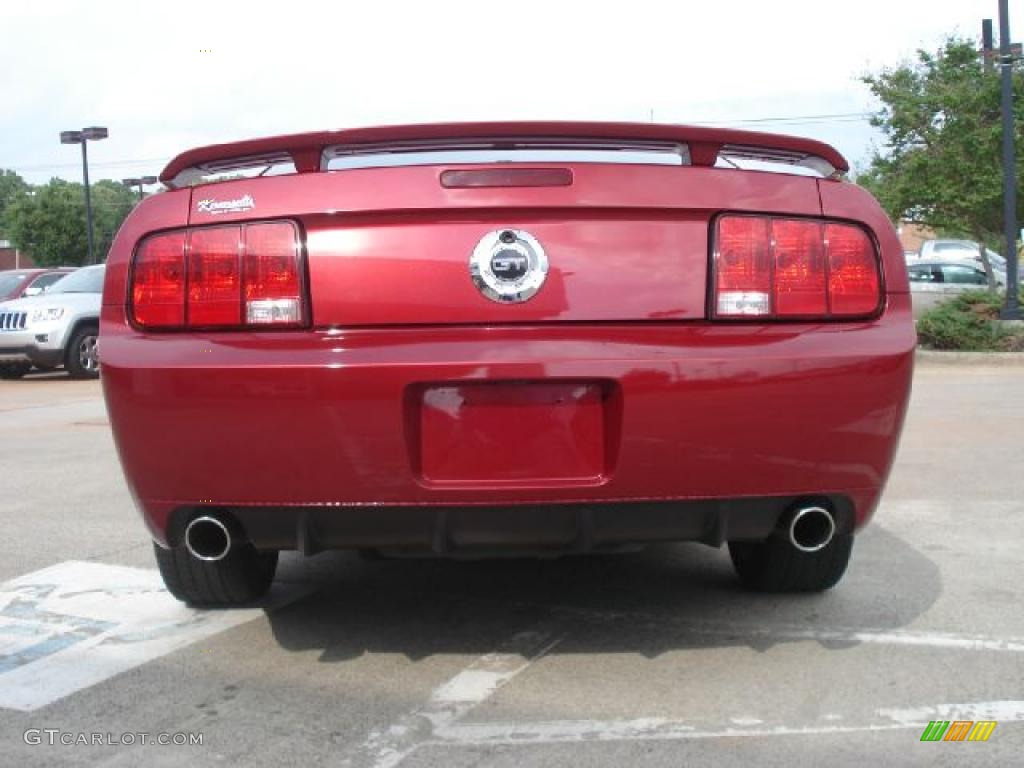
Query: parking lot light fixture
[83,137]
[139,183]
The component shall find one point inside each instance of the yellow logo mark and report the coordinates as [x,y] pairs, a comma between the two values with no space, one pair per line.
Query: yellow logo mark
[982,730]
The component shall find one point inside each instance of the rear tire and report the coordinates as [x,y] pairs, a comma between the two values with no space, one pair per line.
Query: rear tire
[14,370]
[82,356]
[242,576]
[775,565]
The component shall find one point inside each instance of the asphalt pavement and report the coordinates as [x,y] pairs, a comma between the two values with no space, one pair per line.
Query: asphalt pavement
[652,658]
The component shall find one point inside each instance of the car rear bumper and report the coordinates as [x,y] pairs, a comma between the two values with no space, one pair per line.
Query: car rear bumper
[624,432]
[534,528]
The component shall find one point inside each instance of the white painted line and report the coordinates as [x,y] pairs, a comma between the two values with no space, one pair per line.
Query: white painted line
[654,729]
[645,729]
[479,681]
[452,700]
[76,624]
[1008,711]
[947,640]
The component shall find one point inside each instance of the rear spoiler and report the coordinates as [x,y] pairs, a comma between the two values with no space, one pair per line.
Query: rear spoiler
[310,152]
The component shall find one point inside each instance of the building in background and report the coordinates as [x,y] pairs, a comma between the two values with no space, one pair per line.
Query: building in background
[912,235]
[10,258]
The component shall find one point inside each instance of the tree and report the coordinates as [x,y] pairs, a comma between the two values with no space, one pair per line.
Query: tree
[49,223]
[941,165]
[12,187]
[111,204]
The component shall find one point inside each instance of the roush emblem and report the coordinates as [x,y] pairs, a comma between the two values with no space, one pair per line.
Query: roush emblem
[215,207]
[508,265]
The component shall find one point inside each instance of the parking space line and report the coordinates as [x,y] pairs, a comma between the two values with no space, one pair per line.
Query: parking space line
[838,635]
[76,624]
[453,700]
[655,729]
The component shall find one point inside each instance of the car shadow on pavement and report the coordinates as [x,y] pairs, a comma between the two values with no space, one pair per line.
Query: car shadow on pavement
[665,598]
[39,376]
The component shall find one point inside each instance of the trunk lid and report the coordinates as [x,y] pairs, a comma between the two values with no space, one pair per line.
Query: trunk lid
[393,245]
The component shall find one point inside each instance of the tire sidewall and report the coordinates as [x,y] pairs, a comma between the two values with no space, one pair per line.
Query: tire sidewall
[74,367]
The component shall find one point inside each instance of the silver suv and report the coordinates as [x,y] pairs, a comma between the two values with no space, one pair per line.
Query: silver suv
[59,327]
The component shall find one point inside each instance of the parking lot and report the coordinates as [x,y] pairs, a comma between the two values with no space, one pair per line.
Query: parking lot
[655,658]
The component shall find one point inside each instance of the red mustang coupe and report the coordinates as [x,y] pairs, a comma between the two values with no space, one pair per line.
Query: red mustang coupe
[528,337]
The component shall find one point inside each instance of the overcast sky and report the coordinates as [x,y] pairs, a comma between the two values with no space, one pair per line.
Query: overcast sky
[166,76]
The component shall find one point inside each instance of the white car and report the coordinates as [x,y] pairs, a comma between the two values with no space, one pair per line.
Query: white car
[932,282]
[59,327]
[959,251]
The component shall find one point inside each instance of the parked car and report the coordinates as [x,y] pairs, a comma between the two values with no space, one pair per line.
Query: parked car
[516,337]
[59,327]
[960,251]
[16,283]
[931,283]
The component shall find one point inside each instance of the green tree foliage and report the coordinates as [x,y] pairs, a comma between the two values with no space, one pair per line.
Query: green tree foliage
[49,222]
[941,164]
[12,187]
[969,322]
[111,204]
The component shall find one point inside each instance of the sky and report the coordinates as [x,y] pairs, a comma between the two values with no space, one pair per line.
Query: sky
[166,76]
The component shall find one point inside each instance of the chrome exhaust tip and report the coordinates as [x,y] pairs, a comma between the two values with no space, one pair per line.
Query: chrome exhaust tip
[811,529]
[207,538]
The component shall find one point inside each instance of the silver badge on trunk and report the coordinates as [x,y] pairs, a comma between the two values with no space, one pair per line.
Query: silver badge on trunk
[508,265]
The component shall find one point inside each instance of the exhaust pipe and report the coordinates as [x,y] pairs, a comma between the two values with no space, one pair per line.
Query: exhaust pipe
[811,528]
[207,538]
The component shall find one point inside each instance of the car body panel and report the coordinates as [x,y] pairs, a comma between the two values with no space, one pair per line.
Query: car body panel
[326,419]
[411,389]
[390,245]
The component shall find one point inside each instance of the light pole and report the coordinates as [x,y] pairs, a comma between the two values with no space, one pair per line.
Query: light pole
[83,137]
[1006,59]
[140,182]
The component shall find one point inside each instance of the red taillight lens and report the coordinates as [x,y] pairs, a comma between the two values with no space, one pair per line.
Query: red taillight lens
[743,267]
[853,281]
[799,253]
[158,282]
[214,278]
[231,277]
[793,268]
[273,291]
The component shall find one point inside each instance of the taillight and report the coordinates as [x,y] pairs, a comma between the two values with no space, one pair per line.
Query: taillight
[743,267]
[214,279]
[158,282]
[853,280]
[220,277]
[799,255]
[273,291]
[766,266]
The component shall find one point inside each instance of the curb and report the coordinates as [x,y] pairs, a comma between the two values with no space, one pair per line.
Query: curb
[934,356]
